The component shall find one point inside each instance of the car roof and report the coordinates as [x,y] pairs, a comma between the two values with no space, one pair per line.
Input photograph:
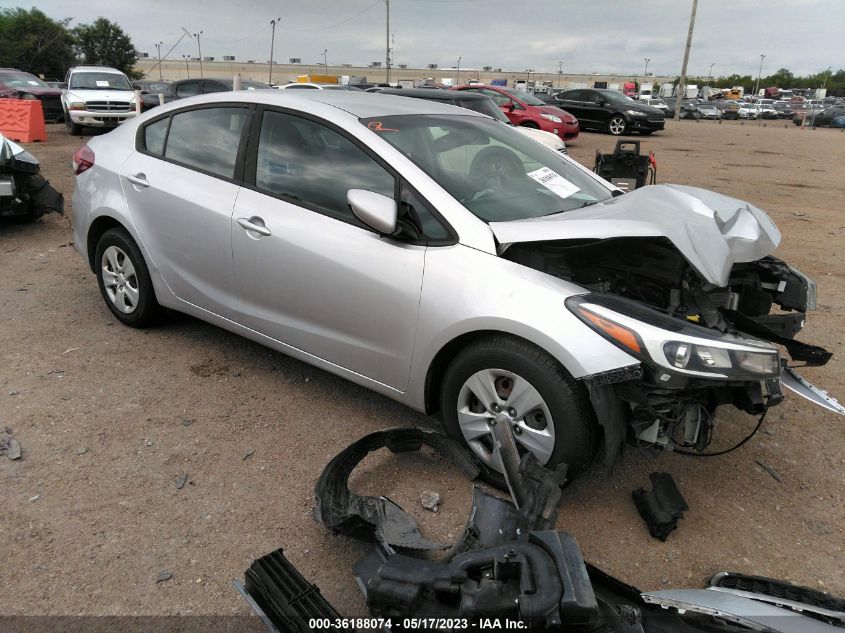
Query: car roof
[100,69]
[434,95]
[358,103]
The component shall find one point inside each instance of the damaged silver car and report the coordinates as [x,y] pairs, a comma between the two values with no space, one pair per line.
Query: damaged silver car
[448,262]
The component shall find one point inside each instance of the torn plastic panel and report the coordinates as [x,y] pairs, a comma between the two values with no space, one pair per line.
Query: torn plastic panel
[24,193]
[379,518]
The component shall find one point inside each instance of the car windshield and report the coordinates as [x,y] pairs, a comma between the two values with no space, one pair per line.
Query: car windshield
[616,97]
[99,81]
[484,106]
[525,97]
[496,172]
[22,80]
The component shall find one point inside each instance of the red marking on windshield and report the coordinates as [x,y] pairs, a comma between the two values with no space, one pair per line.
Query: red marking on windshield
[376,126]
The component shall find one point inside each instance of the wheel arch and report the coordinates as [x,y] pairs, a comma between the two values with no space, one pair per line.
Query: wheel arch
[445,355]
[98,227]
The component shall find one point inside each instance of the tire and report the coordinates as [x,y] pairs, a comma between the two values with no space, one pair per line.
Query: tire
[617,125]
[124,279]
[496,162]
[72,128]
[509,367]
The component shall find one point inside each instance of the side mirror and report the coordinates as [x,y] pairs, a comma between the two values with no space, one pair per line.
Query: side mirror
[510,107]
[373,209]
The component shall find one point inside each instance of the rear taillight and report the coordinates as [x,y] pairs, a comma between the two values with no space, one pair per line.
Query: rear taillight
[83,159]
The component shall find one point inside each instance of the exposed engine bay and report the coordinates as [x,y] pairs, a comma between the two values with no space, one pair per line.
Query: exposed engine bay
[764,300]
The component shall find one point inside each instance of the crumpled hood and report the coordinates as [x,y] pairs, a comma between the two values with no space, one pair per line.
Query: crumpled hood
[712,231]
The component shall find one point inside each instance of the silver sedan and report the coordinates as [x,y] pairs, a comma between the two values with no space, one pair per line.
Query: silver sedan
[443,259]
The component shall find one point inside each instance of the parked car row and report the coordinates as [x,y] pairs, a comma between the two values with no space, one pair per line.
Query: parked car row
[833,116]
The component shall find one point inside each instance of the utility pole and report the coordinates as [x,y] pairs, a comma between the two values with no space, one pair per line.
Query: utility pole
[645,70]
[682,87]
[272,43]
[559,71]
[187,70]
[759,73]
[199,48]
[326,60]
[458,74]
[158,46]
[710,73]
[387,42]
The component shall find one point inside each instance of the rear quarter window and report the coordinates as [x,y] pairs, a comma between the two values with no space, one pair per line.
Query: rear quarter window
[207,139]
[154,136]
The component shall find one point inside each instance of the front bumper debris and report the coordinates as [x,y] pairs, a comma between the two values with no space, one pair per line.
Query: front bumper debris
[508,570]
[800,385]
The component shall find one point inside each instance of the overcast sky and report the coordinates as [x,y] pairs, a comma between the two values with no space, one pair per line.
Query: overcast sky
[607,36]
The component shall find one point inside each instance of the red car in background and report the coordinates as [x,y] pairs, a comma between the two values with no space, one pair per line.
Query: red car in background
[526,109]
[17,84]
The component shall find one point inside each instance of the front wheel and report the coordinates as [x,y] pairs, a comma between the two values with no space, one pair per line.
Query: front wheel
[124,279]
[617,125]
[509,380]
[73,128]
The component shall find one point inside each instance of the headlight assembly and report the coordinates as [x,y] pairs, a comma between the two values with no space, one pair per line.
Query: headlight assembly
[669,343]
[552,118]
[635,113]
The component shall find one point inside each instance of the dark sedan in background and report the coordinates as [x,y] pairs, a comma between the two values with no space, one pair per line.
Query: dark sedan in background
[191,87]
[609,110]
[16,84]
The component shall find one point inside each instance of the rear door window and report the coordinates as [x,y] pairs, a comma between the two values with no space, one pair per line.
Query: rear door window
[207,139]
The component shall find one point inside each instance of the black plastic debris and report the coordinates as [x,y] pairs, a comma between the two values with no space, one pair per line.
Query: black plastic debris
[283,599]
[662,506]
[379,518]
[540,580]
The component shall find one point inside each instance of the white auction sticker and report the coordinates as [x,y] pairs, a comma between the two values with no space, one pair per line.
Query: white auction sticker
[553,181]
[102,84]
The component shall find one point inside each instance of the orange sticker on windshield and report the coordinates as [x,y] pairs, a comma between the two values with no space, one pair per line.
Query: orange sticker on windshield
[376,126]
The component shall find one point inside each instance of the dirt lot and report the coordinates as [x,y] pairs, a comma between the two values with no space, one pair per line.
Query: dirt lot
[110,418]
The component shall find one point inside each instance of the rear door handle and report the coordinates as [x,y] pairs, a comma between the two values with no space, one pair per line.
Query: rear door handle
[254,224]
[138,179]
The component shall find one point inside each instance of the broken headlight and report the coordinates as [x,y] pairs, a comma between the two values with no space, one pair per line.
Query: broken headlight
[669,343]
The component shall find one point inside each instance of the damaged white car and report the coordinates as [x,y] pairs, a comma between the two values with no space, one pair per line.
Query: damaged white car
[448,262]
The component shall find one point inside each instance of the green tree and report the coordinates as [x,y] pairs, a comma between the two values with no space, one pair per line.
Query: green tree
[103,43]
[31,41]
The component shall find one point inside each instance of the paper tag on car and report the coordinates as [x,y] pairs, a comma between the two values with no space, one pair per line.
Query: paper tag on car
[31,82]
[553,181]
[102,84]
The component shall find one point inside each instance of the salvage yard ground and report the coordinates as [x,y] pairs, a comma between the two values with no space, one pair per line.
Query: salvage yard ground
[188,450]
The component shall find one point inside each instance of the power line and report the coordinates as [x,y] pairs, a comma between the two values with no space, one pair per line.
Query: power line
[349,19]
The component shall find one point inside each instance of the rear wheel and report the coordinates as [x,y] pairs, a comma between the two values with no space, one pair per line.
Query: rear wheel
[124,279]
[548,412]
[617,125]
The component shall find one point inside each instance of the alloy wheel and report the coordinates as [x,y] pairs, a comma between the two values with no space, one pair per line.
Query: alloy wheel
[120,280]
[490,394]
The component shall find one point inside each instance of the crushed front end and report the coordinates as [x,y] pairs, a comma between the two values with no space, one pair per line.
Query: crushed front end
[684,281]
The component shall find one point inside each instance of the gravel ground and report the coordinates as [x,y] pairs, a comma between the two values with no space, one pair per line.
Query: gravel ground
[111,419]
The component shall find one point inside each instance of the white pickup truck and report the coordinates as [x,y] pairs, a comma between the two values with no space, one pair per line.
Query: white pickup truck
[96,96]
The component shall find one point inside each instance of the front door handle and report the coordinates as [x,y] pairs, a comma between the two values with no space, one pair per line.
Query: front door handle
[138,179]
[255,224]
